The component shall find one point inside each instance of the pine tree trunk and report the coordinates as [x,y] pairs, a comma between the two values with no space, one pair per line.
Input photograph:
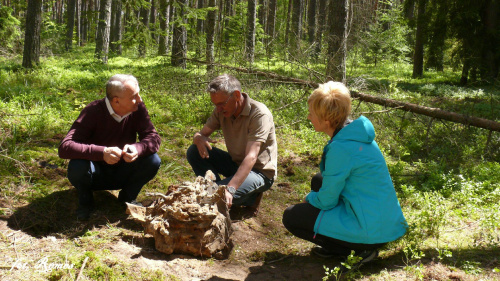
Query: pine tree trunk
[103,30]
[78,16]
[164,27]
[251,22]
[490,53]
[179,44]
[116,27]
[70,24]
[84,22]
[296,27]
[31,53]
[311,21]
[337,40]
[288,19]
[144,36]
[418,56]
[322,8]
[200,22]
[210,28]
[270,26]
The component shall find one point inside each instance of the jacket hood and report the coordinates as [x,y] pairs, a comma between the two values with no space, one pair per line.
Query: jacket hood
[360,130]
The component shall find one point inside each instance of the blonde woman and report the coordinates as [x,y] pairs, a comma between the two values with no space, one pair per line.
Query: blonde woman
[352,204]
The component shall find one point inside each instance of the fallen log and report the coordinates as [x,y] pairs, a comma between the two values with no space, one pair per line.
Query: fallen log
[192,218]
[415,108]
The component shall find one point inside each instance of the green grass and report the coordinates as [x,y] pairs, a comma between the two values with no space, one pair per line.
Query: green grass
[447,175]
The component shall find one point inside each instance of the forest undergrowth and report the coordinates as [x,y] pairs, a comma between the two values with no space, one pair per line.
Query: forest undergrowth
[447,175]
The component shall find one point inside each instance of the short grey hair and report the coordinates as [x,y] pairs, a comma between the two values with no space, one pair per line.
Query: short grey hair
[116,84]
[224,83]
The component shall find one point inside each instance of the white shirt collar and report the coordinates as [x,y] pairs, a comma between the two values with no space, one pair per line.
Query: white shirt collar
[113,114]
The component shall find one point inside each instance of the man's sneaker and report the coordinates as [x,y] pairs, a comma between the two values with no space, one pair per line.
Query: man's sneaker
[324,253]
[366,256]
[83,213]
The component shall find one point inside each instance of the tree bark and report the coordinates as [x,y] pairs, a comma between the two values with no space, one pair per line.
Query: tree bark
[418,56]
[103,29]
[116,27]
[70,24]
[296,27]
[337,40]
[78,15]
[250,38]
[200,28]
[164,27]
[144,36]
[321,20]
[311,21]
[490,54]
[31,53]
[270,26]
[179,44]
[210,34]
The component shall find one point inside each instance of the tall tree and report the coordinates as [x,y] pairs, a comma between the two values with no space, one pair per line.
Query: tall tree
[116,27]
[251,22]
[321,22]
[490,51]
[103,29]
[210,33]
[311,21]
[418,55]
[338,20]
[164,27]
[144,35]
[296,27]
[438,34]
[179,44]
[200,27]
[78,14]
[31,54]
[270,25]
[70,24]
[84,25]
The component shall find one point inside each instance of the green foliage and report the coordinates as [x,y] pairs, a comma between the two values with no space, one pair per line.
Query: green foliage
[9,30]
[447,176]
[386,39]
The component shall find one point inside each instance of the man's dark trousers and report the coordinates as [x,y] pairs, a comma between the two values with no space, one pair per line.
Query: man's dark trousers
[88,176]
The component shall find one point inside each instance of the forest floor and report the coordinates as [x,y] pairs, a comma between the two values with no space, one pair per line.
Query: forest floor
[43,234]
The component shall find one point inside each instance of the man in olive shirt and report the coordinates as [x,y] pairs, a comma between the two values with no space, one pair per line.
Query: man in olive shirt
[250,164]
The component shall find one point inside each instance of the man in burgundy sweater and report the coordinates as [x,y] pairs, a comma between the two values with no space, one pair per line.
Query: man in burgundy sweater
[103,148]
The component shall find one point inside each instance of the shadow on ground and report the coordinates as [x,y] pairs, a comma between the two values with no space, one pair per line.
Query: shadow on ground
[54,214]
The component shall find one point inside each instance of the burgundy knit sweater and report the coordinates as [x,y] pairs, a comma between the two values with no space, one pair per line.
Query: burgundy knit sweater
[96,129]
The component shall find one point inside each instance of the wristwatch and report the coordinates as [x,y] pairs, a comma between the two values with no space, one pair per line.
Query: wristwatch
[231,190]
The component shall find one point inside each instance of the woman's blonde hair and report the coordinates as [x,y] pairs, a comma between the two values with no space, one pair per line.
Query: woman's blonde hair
[331,102]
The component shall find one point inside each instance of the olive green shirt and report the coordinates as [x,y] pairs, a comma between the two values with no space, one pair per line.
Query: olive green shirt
[255,123]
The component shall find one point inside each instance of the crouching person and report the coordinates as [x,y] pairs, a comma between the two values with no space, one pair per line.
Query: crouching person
[352,204]
[103,148]
[249,165]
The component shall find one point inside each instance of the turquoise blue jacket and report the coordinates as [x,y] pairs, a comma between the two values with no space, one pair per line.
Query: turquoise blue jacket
[357,199]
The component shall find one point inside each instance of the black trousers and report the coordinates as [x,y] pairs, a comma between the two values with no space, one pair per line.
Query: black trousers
[299,219]
[88,176]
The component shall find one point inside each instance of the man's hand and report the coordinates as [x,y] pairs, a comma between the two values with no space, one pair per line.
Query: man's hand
[129,153]
[202,143]
[112,155]
[229,199]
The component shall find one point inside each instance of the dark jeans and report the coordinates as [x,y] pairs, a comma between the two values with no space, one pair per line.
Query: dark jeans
[87,176]
[220,163]
[299,219]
